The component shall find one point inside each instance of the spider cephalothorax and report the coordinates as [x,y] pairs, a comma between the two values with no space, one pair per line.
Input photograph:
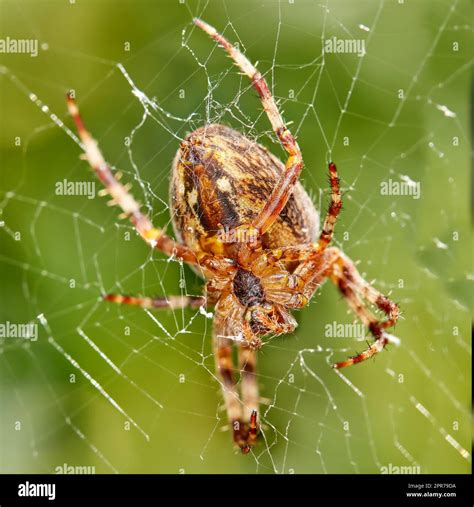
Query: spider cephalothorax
[244,222]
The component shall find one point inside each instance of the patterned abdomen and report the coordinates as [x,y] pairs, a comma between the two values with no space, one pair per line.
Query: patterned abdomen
[220,180]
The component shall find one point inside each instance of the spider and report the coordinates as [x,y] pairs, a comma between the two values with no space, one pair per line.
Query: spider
[244,222]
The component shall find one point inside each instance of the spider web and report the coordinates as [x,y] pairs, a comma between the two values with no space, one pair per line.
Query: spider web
[130,390]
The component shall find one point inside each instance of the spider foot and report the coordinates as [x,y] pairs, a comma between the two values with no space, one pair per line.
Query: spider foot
[374,348]
[245,435]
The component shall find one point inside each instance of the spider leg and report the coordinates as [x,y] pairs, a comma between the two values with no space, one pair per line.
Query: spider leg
[289,286]
[335,207]
[249,391]
[155,237]
[311,251]
[295,289]
[333,264]
[284,187]
[170,302]
[241,412]
[222,347]
[355,289]
[367,318]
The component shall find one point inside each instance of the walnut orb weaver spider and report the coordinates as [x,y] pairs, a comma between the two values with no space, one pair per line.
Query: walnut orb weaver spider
[274,260]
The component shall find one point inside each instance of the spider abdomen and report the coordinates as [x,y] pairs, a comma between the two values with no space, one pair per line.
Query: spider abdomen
[221,180]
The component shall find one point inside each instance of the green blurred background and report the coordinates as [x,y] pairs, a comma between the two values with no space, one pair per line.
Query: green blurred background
[71,248]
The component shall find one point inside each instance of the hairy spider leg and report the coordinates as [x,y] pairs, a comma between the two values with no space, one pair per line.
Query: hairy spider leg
[241,411]
[295,289]
[249,392]
[334,209]
[318,262]
[311,252]
[121,196]
[345,275]
[169,302]
[294,164]
[222,347]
